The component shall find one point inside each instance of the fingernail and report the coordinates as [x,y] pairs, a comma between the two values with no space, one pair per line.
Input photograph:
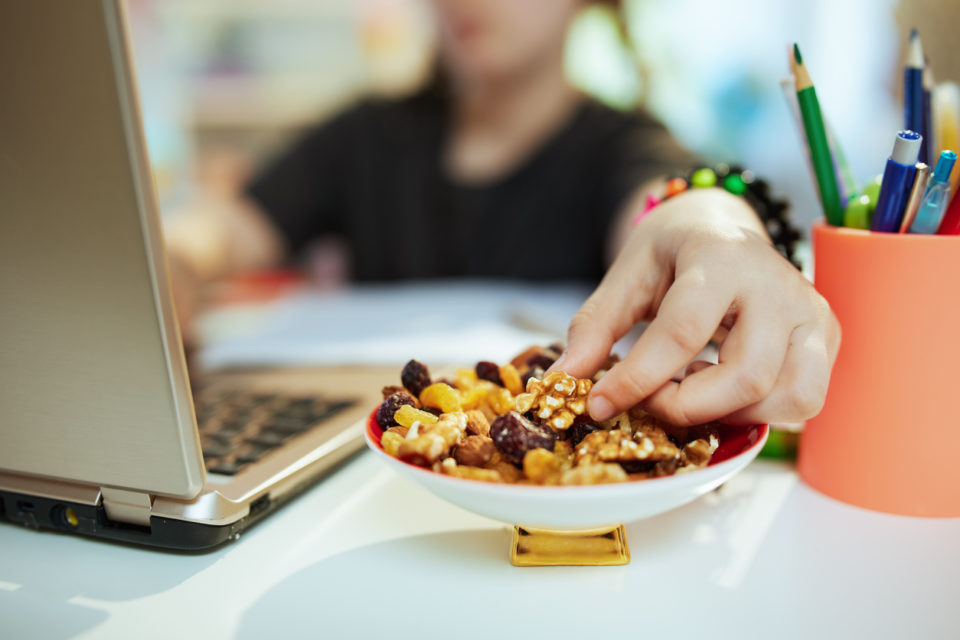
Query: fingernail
[600,408]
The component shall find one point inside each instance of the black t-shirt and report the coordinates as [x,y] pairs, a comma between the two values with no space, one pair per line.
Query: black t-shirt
[374,175]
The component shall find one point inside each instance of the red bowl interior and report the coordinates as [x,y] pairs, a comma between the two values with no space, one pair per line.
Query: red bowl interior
[734,440]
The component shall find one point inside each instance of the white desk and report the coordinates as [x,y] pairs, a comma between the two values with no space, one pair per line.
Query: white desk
[368,554]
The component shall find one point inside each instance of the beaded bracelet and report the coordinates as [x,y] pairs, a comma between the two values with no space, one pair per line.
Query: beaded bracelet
[772,212]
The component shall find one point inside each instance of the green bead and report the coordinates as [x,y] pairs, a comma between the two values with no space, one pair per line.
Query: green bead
[735,184]
[781,445]
[859,213]
[703,178]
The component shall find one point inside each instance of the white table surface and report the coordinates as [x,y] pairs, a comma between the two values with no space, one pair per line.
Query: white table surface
[366,553]
[369,554]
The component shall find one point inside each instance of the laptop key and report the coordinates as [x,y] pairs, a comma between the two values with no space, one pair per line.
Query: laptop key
[287,425]
[269,438]
[250,452]
[230,428]
[225,467]
[216,447]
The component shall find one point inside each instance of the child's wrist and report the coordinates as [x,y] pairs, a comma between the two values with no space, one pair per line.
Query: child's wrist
[732,193]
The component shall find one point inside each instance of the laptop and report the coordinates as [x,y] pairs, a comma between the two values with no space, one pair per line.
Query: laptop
[100,431]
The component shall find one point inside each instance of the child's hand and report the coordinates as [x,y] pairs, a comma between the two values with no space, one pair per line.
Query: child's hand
[700,263]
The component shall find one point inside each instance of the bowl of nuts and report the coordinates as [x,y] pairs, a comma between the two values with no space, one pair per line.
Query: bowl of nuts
[515,443]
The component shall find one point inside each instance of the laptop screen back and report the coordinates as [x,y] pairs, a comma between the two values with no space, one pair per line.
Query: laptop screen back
[93,386]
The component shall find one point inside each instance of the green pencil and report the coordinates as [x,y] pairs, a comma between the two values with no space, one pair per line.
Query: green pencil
[817,140]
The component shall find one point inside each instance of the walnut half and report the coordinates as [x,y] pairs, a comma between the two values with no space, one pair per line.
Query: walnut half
[557,399]
[431,442]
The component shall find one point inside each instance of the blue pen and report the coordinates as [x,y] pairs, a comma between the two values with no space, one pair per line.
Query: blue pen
[913,87]
[926,149]
[936,197]
[897,181]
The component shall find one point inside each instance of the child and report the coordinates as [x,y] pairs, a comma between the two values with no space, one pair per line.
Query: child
[501,169]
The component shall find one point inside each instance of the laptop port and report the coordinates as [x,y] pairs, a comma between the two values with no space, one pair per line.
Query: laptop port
[64,517]
[23,505]
[260,505]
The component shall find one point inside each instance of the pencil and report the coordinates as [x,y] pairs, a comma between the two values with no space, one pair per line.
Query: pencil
[817,140]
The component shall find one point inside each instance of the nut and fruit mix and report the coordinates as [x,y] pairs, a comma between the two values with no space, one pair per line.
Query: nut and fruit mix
[514,423]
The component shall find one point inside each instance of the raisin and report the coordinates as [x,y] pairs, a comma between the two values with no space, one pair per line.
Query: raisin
[582,426]
[541,361]
[389,390]
[489,371]
[534,358]
[415,377]
[557,348]
[513,435]
[639,466]
[435,411]
[531,373]
[390,406]
[665,467]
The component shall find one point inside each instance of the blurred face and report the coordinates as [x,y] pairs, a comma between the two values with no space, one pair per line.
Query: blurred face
[489,40]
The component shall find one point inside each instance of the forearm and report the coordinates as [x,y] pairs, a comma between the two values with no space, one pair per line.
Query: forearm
[214,239]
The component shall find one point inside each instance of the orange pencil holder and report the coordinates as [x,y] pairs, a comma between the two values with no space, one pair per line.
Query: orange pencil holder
[888,437]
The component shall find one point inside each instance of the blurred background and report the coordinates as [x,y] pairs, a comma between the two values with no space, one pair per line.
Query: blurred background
[225,83]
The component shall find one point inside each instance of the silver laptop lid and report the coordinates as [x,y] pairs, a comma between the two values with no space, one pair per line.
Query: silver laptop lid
[93,386]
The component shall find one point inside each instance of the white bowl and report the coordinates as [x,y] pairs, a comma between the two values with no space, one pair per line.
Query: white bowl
[582,507]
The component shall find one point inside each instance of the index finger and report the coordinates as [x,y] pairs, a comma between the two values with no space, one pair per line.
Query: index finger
[622,299]
[685,322]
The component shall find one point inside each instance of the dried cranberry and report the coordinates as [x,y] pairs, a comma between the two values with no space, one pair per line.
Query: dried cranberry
[582,427]
[513,435]
[489,371]
[390,406]
[415,377]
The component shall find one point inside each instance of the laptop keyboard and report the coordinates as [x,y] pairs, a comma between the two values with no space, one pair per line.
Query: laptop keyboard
[237,428]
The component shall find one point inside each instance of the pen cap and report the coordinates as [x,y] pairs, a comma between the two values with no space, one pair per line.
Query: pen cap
[906,147]
[944,166]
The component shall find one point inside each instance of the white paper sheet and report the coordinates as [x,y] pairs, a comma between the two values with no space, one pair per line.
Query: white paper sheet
[448,322]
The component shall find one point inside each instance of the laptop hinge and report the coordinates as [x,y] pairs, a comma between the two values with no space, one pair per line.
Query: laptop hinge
[127,506]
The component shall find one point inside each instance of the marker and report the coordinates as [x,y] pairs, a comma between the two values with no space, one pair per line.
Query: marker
[916,195]
[946,123]
[936,196]
[913,86]
[820,155]
[951,220]
[897,180]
